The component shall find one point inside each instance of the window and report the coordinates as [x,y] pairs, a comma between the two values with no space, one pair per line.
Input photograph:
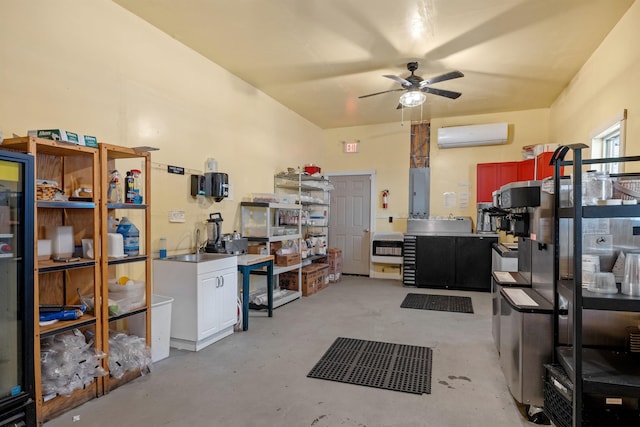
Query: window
[608,143]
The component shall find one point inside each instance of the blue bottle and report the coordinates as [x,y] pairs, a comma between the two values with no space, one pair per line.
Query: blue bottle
[130,236]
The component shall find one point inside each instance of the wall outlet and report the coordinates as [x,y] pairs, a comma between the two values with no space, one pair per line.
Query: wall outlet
[176,216]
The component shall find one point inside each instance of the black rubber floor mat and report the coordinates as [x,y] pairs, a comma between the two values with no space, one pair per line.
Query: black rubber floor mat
[438,302]
[384,365]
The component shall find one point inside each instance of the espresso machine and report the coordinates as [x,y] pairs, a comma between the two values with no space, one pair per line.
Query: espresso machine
[214,241]
[523,305]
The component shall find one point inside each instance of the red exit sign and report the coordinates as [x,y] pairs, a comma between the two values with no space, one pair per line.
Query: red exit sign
[351,147]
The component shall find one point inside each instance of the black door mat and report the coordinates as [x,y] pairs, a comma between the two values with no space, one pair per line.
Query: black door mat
[438,302]
[384,365]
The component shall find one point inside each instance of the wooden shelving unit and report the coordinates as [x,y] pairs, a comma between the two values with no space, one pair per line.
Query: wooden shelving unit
[74,166]
[113,157]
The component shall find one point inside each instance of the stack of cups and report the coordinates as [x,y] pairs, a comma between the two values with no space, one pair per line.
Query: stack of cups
[590,266]
[631,281]
[605,283]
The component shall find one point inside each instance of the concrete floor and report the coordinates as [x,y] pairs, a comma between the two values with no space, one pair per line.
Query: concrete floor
[258,377]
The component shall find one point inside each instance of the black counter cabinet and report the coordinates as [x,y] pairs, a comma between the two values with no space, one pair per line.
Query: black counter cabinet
[449,261]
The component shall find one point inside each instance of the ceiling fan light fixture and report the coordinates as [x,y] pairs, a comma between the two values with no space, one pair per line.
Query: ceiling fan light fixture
[413,98]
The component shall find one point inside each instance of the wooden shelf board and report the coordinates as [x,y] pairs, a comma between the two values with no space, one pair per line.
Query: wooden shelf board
[118,152]
[66,325]
[127,260]
[114,383]
[49,265]
[53,204]
[61,404]
[47,146]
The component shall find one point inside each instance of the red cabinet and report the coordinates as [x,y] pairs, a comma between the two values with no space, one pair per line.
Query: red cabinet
[543,169]
[486,178]
[527,170]
[491,176]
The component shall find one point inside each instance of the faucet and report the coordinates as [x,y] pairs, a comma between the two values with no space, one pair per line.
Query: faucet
[199,246]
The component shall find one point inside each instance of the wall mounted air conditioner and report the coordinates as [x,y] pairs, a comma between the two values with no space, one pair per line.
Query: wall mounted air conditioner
[469,136]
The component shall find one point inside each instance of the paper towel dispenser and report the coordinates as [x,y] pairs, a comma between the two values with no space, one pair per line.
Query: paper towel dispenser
[216,185]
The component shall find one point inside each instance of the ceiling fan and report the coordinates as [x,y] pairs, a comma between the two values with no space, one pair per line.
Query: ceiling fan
[415,87]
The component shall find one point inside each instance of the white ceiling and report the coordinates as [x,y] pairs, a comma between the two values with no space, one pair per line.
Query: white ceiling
[317,56]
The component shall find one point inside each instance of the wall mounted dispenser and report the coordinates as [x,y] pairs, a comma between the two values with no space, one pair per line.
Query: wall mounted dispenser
[197,185]
[216,185]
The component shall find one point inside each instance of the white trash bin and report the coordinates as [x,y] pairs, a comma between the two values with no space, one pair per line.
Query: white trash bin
[160,326]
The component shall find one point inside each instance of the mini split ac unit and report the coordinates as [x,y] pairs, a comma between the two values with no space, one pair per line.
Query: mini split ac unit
[468,136]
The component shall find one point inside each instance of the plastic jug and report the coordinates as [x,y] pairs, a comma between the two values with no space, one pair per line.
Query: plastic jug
[130,235]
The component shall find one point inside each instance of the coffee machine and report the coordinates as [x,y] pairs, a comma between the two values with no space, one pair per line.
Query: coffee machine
[214,241]
[486,221]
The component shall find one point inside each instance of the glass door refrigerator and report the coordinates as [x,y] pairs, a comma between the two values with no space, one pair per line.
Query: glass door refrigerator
[17,406]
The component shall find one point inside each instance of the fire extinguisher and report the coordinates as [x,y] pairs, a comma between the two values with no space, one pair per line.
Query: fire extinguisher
[385,199]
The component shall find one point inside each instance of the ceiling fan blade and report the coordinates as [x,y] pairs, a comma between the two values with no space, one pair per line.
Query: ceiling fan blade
[400,80]
[442,92]
[441,78]
[378,93]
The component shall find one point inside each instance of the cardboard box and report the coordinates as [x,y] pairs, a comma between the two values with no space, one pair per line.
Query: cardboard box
[289,280]
[334,255]
[313,279]
[89,141]
[274,247]
[257,249]
[287,260]
[56,135]
[323,270]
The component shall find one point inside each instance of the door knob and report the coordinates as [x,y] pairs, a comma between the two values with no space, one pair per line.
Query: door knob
[366,230]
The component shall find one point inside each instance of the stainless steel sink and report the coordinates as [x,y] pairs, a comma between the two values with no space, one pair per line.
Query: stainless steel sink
[453,225]
[203,257]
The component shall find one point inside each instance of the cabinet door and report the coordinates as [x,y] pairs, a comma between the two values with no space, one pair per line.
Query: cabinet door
[526,170]
[507,172]
[208,284]
[543,168]
[227,297]
[473,262]
[435,261]
[485,181]
[492,176]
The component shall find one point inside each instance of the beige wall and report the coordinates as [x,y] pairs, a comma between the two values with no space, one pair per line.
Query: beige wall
[607,84]
[104,71]
[384,150]
[454,169]
[93,67]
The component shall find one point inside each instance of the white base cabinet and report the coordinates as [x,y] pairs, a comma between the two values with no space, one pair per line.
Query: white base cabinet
[204,299]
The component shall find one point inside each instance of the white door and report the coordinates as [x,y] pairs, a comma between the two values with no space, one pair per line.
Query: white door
[349,221]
